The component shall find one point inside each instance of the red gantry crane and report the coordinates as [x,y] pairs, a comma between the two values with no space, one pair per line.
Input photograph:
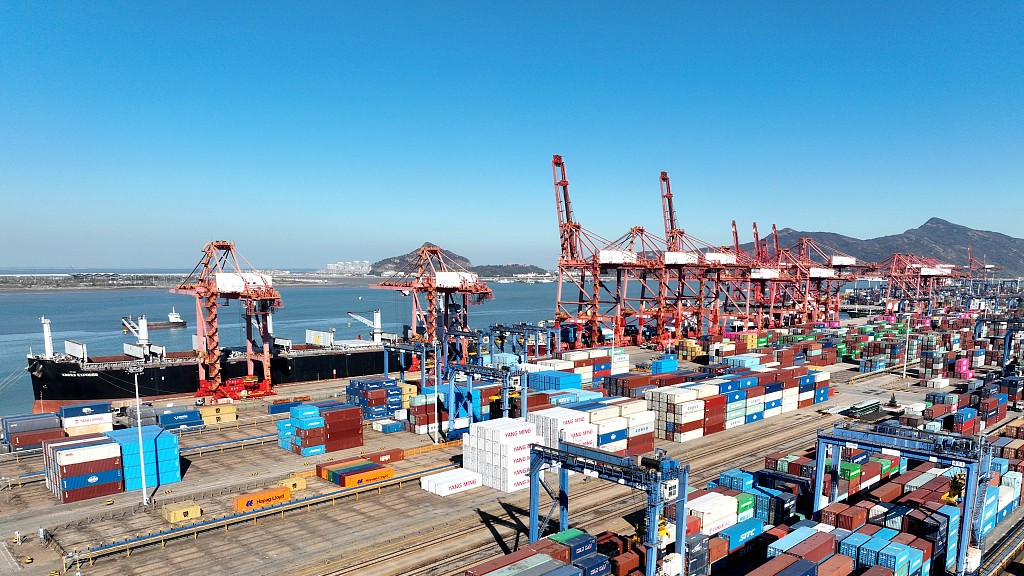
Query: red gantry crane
[912,282]
[703,286]
[438,285]
[583,303]
[220,275]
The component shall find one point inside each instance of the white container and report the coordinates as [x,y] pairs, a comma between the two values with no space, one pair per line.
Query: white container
[73,421]
[88,454]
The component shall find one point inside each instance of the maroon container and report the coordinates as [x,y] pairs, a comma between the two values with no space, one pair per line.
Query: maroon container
[773,566]
[816,548]
[343,444]
[69,496]
[877,571]
[18,439]
[837,565]
[624,563]
[385,456]
[887,492]
[829,513]
[90,467]
[500,562]
[869,529]
[551,548]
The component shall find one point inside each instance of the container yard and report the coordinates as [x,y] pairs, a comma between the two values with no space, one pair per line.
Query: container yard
[728,422]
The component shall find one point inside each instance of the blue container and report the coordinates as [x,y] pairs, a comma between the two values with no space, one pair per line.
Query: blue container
[772,404]
[282,408]
[581,546]
[88,409]
[303,411]
[609,437]
[735,396]
[754,417]
[186,418]
[105,477]
[308,423]
[800,568]
[565,571]
[741,533]
[885,534]
[894,556]
[868,554]
[313,450]
[593,565]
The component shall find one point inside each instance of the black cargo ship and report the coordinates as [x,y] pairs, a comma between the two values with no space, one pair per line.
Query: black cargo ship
[65,379]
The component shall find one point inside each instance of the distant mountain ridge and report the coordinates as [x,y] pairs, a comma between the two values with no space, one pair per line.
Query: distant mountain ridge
[936,238]
[396,263]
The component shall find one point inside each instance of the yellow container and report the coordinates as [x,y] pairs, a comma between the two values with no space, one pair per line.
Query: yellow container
[217,409]
[303,473]
[215,418]
[182,512]
[293,483]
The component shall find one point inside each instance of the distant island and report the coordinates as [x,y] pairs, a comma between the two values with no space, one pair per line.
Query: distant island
[389,266]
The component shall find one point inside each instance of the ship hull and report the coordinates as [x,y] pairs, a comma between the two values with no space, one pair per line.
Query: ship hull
[165,325]
[57,383]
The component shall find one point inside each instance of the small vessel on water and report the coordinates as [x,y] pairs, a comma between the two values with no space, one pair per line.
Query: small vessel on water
[174,320]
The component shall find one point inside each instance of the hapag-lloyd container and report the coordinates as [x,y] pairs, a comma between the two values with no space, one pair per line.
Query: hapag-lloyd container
[261,499]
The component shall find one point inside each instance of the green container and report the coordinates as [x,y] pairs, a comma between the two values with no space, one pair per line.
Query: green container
[783,464]
[561,537]
[849,471]
[886,465]
[744,502]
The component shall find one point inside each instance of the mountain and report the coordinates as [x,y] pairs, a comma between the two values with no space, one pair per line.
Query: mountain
[396,263]
[936,238]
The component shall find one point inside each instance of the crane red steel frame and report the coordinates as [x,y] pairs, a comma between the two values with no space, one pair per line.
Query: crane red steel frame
[578,267]
[913,280]
[635,259]
[702,286]
[220,275]
[430,276]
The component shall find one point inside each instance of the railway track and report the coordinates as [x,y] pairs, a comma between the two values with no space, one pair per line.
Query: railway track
[461,543]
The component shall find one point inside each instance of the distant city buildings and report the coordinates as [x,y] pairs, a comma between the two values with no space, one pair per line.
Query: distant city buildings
[354,267]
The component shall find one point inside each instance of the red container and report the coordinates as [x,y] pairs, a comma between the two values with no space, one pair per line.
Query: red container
[830,512]
[18,439]
[385,456]
[343,444]
[877,571]
[816,548]
[870,470]
[887,492]
[869,529]
[624,563]
[796,465]
[90,467]
[69,496]
[805,403]
[771,461]
[837,565]
[500,562]
[551,548]
[852,518]
[924,546]
[692,525]
[773,566]
[718,548]
[643,444]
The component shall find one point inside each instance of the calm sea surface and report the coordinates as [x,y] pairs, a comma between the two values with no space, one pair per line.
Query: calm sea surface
[93,317]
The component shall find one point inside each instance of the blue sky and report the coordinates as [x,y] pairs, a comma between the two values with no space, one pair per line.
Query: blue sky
[132,133]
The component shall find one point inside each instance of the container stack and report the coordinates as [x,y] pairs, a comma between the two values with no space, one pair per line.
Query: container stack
[451,482]
[354,472]
[378,397]
[29,431]
[424,414]
[554,380]
[87,466]
[555,424]
[303,432]
[91,418]
[499,450]
[158,453]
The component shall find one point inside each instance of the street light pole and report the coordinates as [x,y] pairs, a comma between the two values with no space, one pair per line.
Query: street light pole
[136,370]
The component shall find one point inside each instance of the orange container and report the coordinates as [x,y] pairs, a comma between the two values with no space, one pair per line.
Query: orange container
[261,499]
[366,477]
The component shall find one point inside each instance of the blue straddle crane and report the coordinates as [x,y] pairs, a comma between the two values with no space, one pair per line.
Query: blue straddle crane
[664,479]
[962,452]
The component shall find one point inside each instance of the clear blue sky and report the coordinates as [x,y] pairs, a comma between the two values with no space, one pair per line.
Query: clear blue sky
[133,132]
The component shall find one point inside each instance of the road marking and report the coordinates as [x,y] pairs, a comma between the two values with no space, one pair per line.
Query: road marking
[10,559]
